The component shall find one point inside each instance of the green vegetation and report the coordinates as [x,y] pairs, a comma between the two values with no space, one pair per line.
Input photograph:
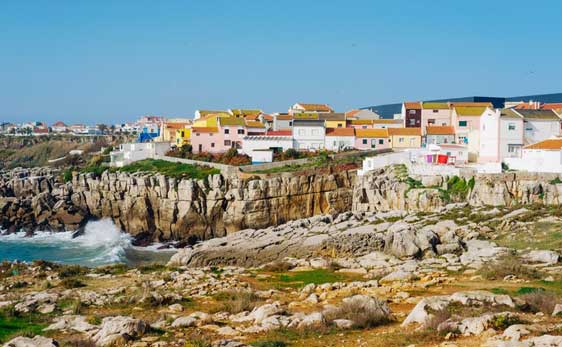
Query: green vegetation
[12,325]
[302,278]
[557,180]
[177,170]
[539,235]
[457,189]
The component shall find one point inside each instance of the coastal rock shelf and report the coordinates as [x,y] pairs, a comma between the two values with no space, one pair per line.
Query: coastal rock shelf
[152,207]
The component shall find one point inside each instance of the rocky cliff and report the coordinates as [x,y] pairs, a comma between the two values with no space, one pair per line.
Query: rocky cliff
[157,208]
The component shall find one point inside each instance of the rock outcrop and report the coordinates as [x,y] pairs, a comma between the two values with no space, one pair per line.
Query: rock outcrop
[153,207]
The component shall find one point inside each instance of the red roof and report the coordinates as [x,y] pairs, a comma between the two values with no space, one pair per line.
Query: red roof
[59,124]
[279,133]
[204,129]
[351,113]
[552,106]
[413,105]
[340,132]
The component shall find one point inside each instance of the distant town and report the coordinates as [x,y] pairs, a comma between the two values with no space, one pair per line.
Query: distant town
[520,135]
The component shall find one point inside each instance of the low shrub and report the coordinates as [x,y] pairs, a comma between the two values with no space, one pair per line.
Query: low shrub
[501,322]
[70,283]
[274,343]
[509,265]
[363,313]
[72,271]
[436,319]
[540,301]
[278,266]
[236,301]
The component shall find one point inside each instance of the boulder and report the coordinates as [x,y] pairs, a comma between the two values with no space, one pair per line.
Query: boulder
[119,329]
[37,341]
[543,256]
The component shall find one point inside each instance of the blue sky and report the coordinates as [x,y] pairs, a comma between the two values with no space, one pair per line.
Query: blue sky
[107,61]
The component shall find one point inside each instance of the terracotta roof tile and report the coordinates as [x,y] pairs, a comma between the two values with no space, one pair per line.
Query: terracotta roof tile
[552,106]
[254,124]
[361,121]
[413,105]
[371,132]
[340,132]
[405,131]
[204,129]
[440,130]
[549,144]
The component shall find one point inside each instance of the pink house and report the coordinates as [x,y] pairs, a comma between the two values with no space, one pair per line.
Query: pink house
[372,139]
[232,131]
[206,139]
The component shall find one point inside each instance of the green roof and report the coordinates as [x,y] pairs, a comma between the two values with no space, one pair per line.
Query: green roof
[231,121]
[206,112]
[245,112]
[305,116]
[470,111]
[539,114]
[435,105]
[509,113]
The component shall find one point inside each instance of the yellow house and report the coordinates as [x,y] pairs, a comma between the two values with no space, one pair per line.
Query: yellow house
[405,137]
[209,120]
[183,137]
[168,131]
[333,120]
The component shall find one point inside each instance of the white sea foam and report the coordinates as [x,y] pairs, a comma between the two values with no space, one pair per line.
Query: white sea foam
[100,243]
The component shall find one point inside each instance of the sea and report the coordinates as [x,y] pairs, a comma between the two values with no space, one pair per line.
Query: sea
[101,243]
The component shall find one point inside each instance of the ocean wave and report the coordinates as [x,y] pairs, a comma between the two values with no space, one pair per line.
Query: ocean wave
[101,243]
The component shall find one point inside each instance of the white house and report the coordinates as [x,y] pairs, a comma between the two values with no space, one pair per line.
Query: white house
[539,125]
[339,139]
[544,156]
[131,152]
[308,134]
[501,136]
[300,107]
[263,142]
[59,127]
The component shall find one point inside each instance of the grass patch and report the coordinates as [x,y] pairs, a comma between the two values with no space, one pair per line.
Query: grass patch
[539,235]
[12,325]
[302,278]
[177,170]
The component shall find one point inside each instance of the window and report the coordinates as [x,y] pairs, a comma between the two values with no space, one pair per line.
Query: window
[314,132]
[381,142]
[197,134]
[400,140]
[241,131]
[412,121]
[431,121]
[511,126]
[290,123]
[463,123]
[513,148]
[212,145]
[364,141]
[226,131]
[435,111]
[301,132]
[373,143]
[227,143]
[364,127]
[340,125]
